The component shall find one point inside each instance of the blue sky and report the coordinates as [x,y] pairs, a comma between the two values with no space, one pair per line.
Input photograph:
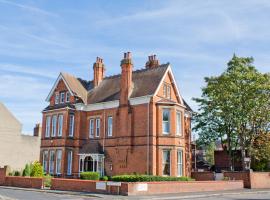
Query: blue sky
[39,38]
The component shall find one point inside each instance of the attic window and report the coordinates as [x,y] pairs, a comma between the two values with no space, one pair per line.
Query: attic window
[67,97]
[56,98]
[62,97]
[167,91]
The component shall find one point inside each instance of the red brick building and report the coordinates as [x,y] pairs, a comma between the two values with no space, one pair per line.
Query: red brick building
[136,121]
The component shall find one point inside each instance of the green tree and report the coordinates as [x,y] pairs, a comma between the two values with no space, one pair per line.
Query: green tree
[234,107]
[210,153]
[37,170]
[26,171]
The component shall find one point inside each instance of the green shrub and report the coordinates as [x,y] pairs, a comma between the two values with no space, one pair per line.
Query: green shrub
[104,178]
[26,171]
[148,178]
[37,170]
[17,173]
[47,181]
[89,175]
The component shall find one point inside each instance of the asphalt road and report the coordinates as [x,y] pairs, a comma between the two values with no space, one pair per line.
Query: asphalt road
[15,194]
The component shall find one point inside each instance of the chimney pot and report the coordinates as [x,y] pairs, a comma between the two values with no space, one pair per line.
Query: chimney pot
[152,61]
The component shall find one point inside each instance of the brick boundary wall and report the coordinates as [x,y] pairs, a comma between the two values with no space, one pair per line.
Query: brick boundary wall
[203,176]
[253,180]
[24,182]
[260,180]
[181,187]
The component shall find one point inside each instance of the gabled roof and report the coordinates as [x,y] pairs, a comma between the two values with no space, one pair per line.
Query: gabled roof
[73,84]
[146,82]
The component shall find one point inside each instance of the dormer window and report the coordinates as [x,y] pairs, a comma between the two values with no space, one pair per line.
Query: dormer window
[62,97]
[67,97]
[56,98]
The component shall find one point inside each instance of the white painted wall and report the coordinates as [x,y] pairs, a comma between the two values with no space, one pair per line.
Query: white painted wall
[15,149]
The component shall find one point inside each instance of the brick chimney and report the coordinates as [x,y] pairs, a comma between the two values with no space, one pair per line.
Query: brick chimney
[152,62]
[99,71]
[126,78]
[37,130]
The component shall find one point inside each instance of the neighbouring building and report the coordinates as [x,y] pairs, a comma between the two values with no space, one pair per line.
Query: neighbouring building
[16,149]
[134,122]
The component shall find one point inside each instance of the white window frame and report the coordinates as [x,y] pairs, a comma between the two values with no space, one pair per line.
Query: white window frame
[69,163]
[54,125]
[165,90]
[71,125]
[168,91]
[56,101]
[179,163]
[51,162]
[179,128]
[97,127]
[91,128]
[48,126]
[165,162]
[59,154]
[67,97]
[169,121]
[62,97]
[60,125]
[110,126]
[45,157]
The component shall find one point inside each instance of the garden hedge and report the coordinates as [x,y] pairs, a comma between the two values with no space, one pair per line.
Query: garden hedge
[148,178]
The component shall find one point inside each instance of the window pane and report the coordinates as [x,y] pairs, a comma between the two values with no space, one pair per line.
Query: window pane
[51,164]
[45,161]
[60,125]
[164,90]
[180,163]
[91,128]
[58,161]
[69,161]
[67,97]
[71,125]
[110,126]
[54,122]
[166,120]
[62,97]
[56,98]
[169,92]
[166,162]
[48,125]
[97,127]
[178,123]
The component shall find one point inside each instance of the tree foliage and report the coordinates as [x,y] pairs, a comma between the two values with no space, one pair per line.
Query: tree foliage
[235,107]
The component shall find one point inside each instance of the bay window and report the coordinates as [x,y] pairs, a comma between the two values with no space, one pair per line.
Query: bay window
[56,98]
[67,97]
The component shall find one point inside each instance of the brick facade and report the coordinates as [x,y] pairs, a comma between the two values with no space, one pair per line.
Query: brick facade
[137,141]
